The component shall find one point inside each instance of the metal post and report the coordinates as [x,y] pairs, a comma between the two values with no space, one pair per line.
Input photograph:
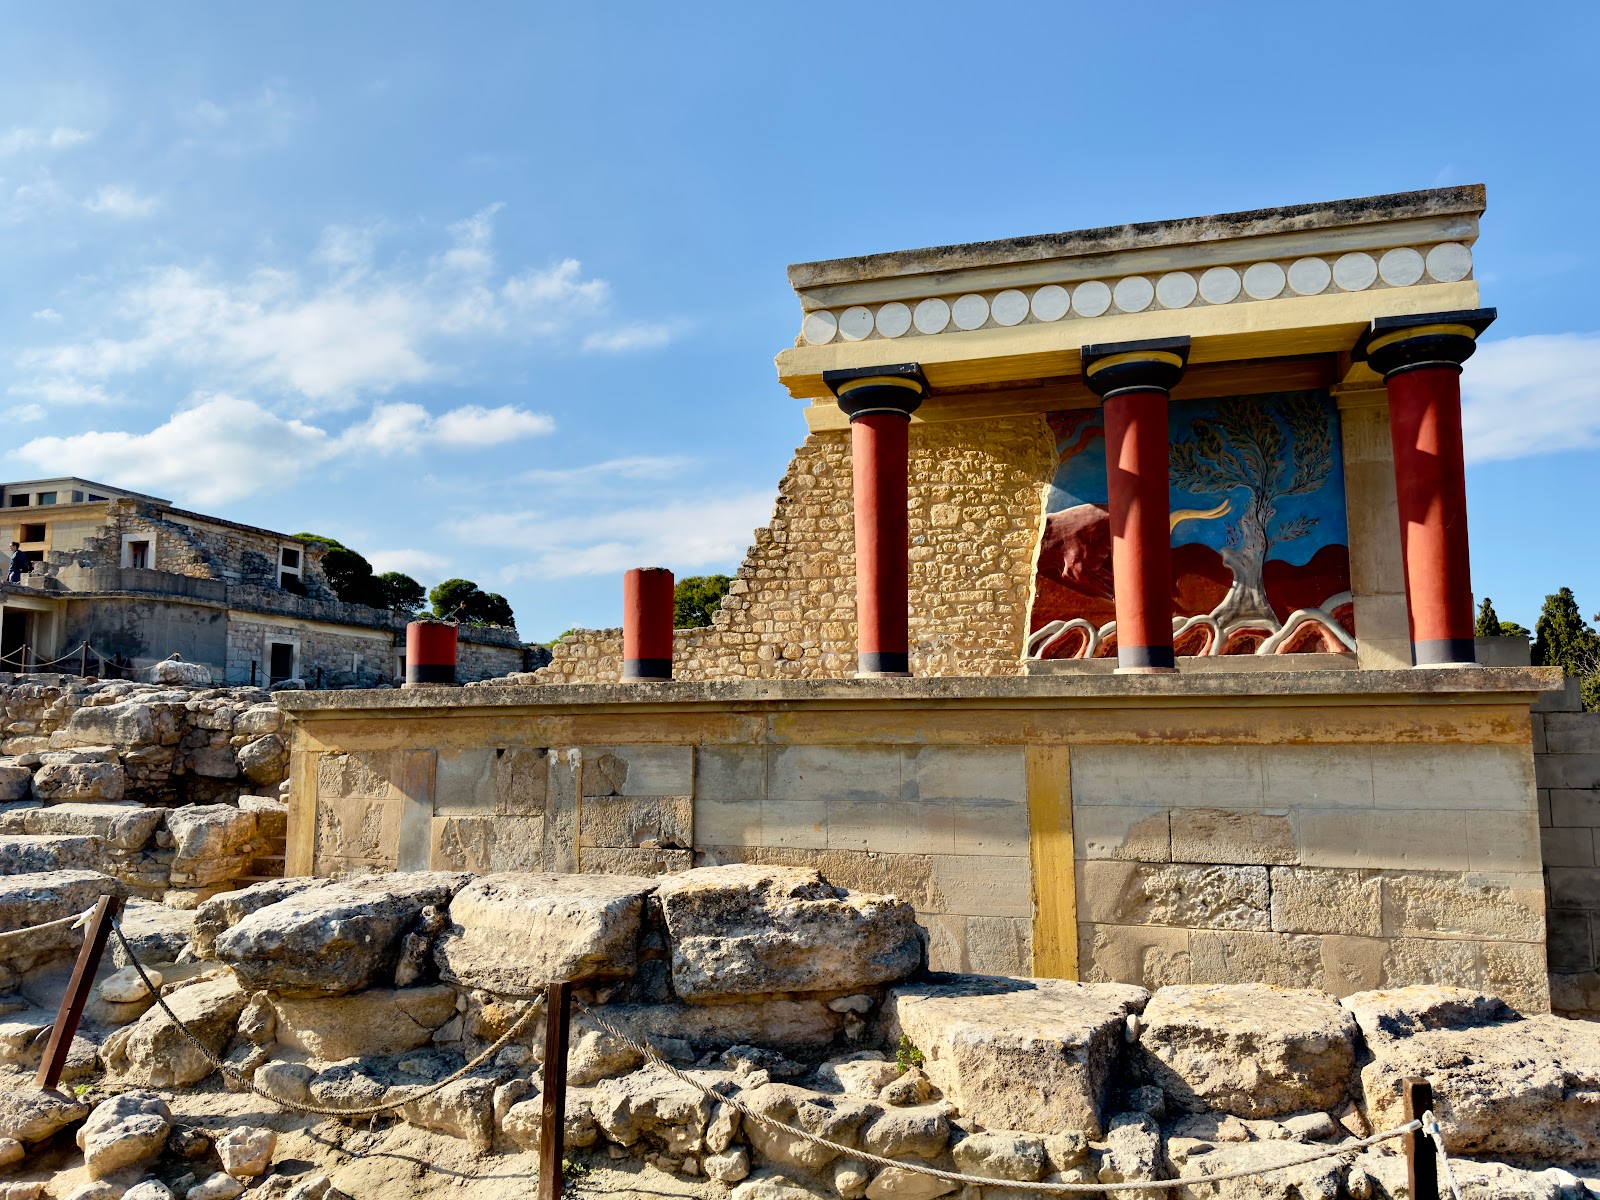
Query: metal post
[83,660]
[25,658]
[1422,1159]
[71,1010]
[319,679]
[252,672]
[553,1115]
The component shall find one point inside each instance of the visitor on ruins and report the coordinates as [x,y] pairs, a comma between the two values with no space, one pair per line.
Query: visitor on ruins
[21,564]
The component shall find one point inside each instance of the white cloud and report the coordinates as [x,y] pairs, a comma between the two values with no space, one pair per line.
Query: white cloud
[47,314]
[1531,395]
[121,202]
[642,466]
[627,339]
[25,412]
[63,391]
[412,561]
[330,334]
[19,139]
[399,427]
[224,447]
[682,534]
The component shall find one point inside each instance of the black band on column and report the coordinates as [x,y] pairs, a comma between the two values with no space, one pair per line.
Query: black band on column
[1395,344]
[1145,656]
[1440,651]
[647,668]
[883,662]
[430,673]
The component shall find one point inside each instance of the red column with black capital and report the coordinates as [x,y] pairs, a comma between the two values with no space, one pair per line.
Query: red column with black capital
[879,402]
[1420,360]
[1133,380]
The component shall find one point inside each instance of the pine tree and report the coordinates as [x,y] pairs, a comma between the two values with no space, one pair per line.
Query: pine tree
[1488,623]
[1562,638]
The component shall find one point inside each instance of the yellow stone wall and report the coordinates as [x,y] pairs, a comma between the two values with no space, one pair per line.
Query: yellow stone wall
[975,501]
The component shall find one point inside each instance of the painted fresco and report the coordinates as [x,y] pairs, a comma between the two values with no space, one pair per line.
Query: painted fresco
[1260,554]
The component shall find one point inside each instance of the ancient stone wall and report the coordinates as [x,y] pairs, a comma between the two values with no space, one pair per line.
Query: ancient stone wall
[975,503]
[1567,763]
[346,657]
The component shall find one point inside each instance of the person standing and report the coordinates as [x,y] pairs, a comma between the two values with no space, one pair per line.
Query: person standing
[21,564]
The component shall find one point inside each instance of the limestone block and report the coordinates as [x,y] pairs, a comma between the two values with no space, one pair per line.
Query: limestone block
[786,1025]
[981,885]
[1504,1086]
[153,1053]
[1248,1049]
[487,844]
[213,843]
[246,1152]
[265,761]
[259,719]
[813,773]
[837,1118]
[922,1131]
[1002,1154]
[129,724]
[522,1121]
[1000,946]
[217,1186]
[606,860]
[638,771]
[897,1183]
[741,930]
[1015,1054]
[222,912]
[1132,1150]
[1201,897]
[123,1132]
[27,855]
[174,672]
[28,1115]
[1218,835]
[374,1022]
[653,821]
[27,900]
[1122,831]
[16,782]
[1226,777]
[730,774]
[118,826]
[521,780]
[213,762]
[651,1104]
[333,939]
[364,773]
[863,1076]
[60,783]
[1149,955]
[1226,955]
[462,1109]
[1195,1160]
[513,934]
[1472,905]
[271,814]
[1318,900]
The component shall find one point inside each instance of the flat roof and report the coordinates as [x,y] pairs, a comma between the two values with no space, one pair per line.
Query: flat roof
[85,483]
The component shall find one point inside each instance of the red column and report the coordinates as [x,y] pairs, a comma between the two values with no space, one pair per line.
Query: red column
[1133,379]
[1420,359]
[647,611]
[879,402]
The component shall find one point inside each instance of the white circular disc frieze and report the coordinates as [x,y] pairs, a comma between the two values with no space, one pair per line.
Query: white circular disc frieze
[970,311]
[855,323]
[1263,281]
[932,315]
[1134,293]
[1009,308]
[1091,298]
[819,327]
[1309,276]
[1355,272]
[1449,262]
[1400,267]
[1177,289]
[1050,303]
[1219,285]
[894,319]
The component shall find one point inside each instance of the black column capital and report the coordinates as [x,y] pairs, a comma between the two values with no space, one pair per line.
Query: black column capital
[1114,367]
[1394,344]
[862,391]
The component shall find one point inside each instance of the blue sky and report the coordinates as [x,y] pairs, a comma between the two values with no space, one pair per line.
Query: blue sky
[494,290]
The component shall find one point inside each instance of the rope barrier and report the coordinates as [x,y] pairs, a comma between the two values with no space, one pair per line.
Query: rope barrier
[1430,1126]
[250,1084]
[644,1049]
[72,922]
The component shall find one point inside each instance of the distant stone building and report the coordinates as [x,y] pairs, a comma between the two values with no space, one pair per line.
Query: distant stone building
[138,580]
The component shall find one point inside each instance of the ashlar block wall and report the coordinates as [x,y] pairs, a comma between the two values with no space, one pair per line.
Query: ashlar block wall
[1567,763]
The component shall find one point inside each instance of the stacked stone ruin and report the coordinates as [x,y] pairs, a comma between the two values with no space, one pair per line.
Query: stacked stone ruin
[809,1004]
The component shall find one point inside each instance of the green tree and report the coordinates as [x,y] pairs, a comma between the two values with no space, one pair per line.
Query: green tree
[1488,623]
[401,592]
[464,599]
[1562,638]
[695,598]
[348,573]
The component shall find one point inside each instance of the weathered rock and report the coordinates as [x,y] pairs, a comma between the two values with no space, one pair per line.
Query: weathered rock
[21,1189]
[743,929]
[897,1183]
[923,1132]
[1002,1154]
[126,987]
[331,940]
[124,1131]
[652,1104]
[158,933]
[213,762]
[119,826]
[1313,1181]
[1248,1049]
[16,783]
[1312,1127]
[769,1185]
[730,1166]
[522,1121]
[863,1076]
[259,719]
[246,1152]
[212,843]
[95,1189]
[224,911]
[837,1118]
[1132,1150]
[271,814]
[153,1053]
[911,1086]
[349,1084]
[29,1115]
[596,1056]
[11,1151]
[148,1189]
[788,1025]
[264,761]
[513,934]
[129,724]
[374,1022]
[462,1109]
[1515,1088]
[1017,1054]
[23,854]
[849,1178]
[176,673]
[79,781]
[291,1081]
[33,899]
[220,1186]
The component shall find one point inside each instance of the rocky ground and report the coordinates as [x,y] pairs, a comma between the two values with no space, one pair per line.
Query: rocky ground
[807,1002]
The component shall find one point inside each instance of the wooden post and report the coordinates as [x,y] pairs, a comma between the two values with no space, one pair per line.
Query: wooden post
[83,660]
[553,1115]
[1422,1158]
[252,672]
[71,1010]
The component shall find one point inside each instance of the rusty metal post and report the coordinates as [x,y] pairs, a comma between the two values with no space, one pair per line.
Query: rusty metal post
[71,1010]
[553,1114]
[1422,1159]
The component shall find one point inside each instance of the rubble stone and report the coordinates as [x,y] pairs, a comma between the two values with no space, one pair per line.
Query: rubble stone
[213,843]
[28,1115]
[124,1131]
[743,929]
[224,911]
[153,1053]
[246,1152]
[220,1186]
[650,1103]
[374,1022]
